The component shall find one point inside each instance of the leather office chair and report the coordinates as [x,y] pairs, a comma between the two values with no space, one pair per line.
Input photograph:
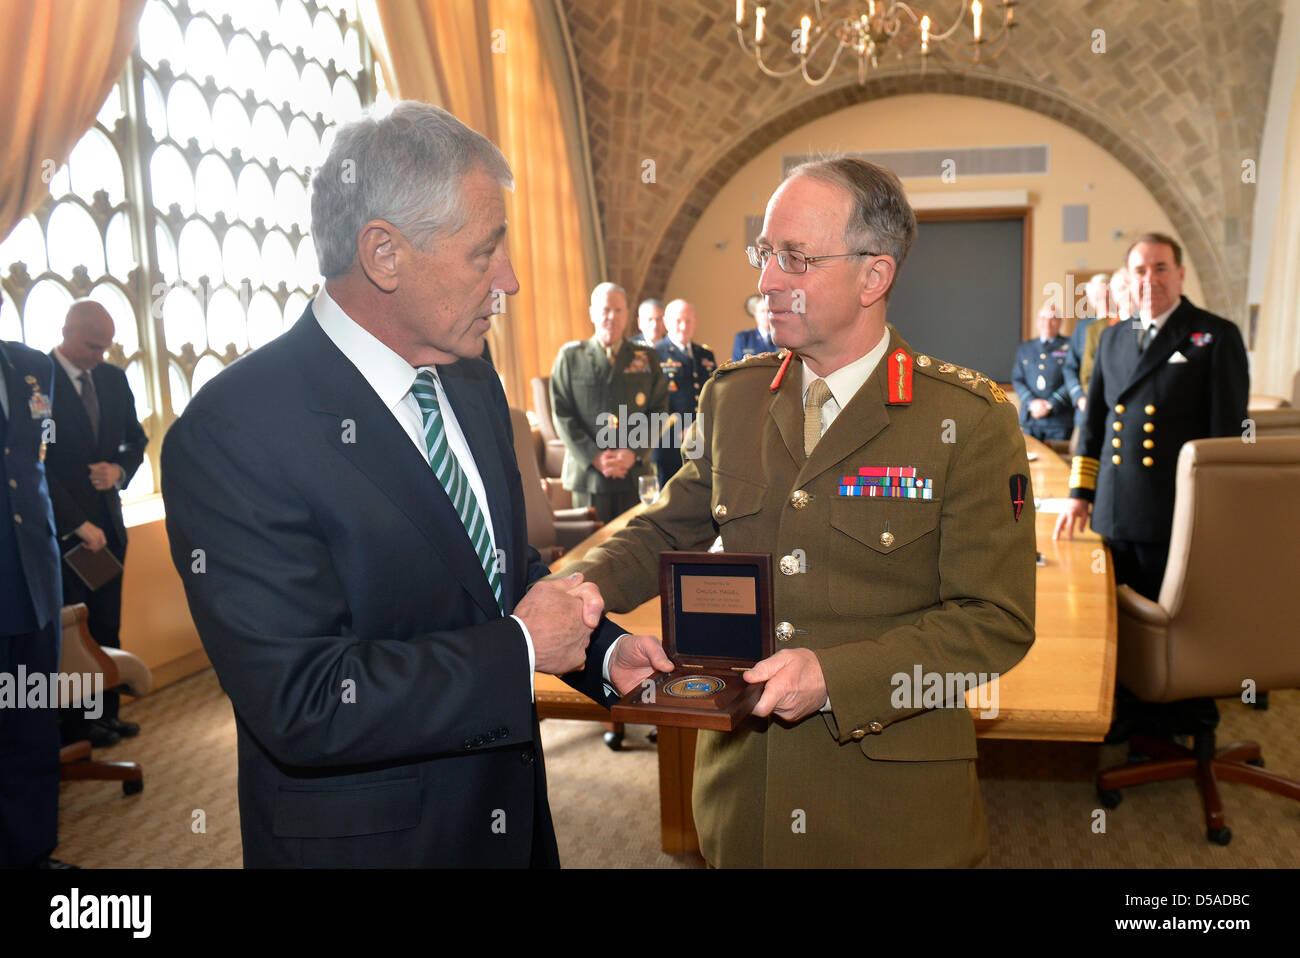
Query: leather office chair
[1226,614]
[122,670]
[550,531]
[553,463]
[1282,421]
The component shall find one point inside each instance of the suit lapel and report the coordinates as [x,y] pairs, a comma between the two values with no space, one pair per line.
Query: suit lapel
[381,450]
[475,419]
[1169,338]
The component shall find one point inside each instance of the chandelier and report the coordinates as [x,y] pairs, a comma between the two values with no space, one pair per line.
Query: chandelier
[864,30]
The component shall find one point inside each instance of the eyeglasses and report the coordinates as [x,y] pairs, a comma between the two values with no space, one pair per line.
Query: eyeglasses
[792,261]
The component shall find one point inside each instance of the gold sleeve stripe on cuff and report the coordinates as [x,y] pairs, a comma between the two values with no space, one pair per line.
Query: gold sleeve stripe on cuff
[1083,473]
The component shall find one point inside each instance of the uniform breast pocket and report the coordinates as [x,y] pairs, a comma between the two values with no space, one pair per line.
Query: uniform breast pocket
[883,555]
[736,506]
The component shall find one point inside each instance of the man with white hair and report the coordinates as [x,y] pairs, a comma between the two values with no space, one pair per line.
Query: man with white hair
[605,394]
[345,511]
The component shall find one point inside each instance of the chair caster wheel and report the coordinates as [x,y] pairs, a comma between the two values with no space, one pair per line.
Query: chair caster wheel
[1110,798]
[132,788]
[1220,836]
[614,740]
[1257,762]
[653,735]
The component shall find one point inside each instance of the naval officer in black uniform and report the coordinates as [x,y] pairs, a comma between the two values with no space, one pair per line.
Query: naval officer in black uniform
[1172,374]
[1038,377]
[687,366]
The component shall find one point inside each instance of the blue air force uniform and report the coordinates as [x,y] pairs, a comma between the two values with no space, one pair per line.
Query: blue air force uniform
[686,370]
[1039,373]
[30,590]
[750,342]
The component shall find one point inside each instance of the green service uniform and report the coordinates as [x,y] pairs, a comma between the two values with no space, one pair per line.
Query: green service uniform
[876,587]
[599,406]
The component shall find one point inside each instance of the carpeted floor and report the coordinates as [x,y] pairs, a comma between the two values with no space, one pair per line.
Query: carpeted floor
[1038,798]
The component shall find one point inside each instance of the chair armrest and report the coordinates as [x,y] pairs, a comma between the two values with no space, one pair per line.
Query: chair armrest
[1139,607]
[131,671]
[575,515]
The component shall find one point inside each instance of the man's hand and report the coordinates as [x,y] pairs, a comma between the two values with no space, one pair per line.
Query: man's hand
[635,659]
[1038,408]
[613,463]
[91,535]
[104,475]
[795,685]
[1083,403]
[1075,516]
[560,615]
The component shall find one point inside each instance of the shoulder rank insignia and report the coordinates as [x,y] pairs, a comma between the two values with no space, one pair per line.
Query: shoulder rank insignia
[900,377]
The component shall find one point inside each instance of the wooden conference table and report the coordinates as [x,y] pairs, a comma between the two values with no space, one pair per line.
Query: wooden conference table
[1061,691]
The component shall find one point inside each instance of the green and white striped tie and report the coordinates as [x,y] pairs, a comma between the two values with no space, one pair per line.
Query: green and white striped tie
[446,467]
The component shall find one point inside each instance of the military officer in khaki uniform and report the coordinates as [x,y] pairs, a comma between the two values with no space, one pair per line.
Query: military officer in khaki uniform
[609,401]
[842,763]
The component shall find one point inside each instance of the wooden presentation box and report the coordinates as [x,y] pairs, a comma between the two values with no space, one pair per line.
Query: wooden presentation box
[717,622]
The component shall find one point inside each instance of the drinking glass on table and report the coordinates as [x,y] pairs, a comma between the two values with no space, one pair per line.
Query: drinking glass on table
[647,487]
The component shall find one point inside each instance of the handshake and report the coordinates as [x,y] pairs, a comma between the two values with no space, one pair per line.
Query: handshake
[560,615]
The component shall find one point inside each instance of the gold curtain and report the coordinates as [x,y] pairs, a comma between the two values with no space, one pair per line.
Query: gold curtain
[1277,349]
[485,61]
[58,60]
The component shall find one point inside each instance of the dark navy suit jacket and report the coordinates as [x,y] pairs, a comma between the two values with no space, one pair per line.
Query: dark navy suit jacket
[381,698]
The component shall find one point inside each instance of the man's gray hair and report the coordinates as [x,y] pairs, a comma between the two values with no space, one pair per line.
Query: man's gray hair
[405,167]
[602,289]
[881,219]
[652,303]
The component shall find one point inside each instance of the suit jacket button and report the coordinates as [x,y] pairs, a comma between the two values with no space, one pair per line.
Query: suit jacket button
[1148,461]
[1117,426]
[1119,409]
[886,539]
[1115,459]
[789,565]
[784,631]
[1150,410]
[876,728]
[1116,442]
[1148,443]
[1148,427]
[13,483]
[858,734]
[18,519]
[799,498]
[720,511]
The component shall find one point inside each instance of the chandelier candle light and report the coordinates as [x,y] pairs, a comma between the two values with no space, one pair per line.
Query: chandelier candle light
[861,31]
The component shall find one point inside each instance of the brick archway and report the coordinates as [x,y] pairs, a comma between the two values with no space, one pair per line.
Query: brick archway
[1149,170]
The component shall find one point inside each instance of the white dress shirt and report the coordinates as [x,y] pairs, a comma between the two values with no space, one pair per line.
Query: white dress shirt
[1157,321]
[391,377]
[844,384]
[74,372]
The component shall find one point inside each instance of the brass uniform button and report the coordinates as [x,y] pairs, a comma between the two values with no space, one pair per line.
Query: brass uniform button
[858,734]
[1148,461]
[886,539]
[799,499]
[1148,443]
[1117,426]
[784,631]
[1119,409]
[13,483]
[789,565]
[1042,356]
[1148,427]
[876,728]
[1115,459]
[18,519]
[720,511]
[923,361]
[1116,442]
[1150,410]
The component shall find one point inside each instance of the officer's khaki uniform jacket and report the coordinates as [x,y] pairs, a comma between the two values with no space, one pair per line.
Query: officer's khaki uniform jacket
[890,584]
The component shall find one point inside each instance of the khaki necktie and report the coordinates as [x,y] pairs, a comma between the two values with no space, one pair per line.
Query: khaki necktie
[818,393]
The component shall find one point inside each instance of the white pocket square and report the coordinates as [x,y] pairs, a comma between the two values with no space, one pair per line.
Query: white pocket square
[1177,358]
